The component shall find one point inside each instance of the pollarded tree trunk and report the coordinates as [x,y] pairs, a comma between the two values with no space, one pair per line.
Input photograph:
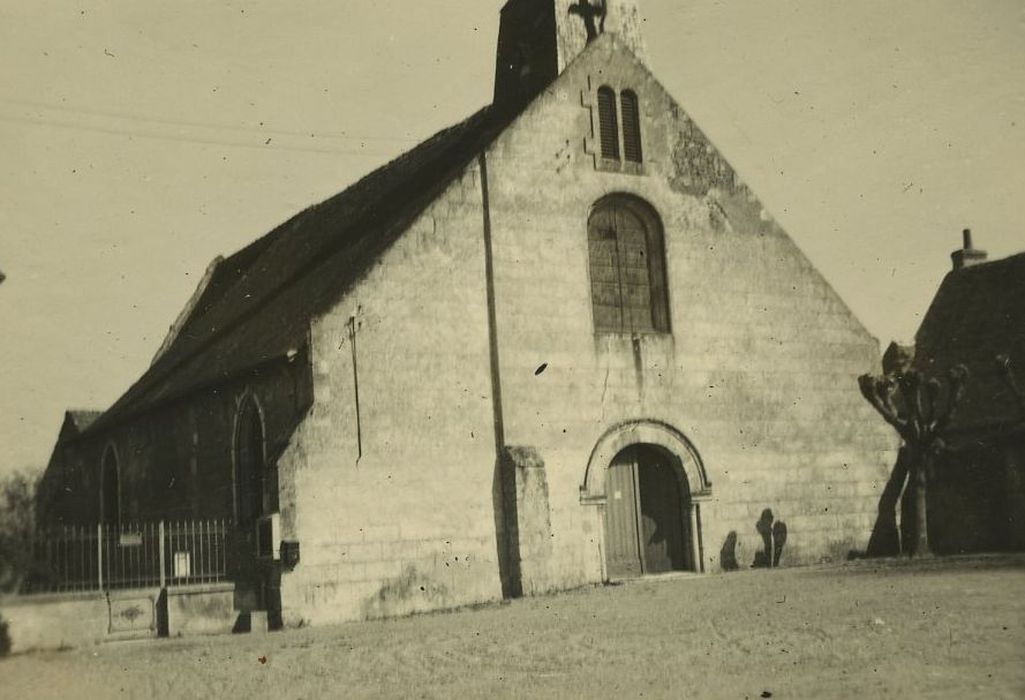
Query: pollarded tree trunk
[921,485]
[914,408]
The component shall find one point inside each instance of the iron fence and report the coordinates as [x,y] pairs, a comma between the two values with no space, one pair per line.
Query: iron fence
[129,555]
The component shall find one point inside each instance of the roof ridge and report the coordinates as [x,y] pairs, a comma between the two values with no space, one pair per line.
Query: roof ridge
[469,135]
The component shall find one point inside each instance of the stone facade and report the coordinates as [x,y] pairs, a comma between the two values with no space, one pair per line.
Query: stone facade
[442,434]
[757,372]
[394,509]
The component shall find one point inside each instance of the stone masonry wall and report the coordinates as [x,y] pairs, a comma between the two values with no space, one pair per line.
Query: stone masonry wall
[758,371]
[399,515]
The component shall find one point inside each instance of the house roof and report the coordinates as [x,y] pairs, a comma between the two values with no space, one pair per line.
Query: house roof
[257,304]
[978,314]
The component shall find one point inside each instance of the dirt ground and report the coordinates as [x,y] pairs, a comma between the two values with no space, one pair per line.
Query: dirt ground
[943,628]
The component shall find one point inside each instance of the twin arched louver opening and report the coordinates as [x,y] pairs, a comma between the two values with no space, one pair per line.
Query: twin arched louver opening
[631,126]
[627,259]
[608,124]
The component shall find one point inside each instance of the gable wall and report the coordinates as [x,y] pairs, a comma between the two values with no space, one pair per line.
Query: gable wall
[408,524]
[758,372]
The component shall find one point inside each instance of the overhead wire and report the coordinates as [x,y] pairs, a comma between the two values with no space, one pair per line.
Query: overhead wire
[211,125]
[161,132]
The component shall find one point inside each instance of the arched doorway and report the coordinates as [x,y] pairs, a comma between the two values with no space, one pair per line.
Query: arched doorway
[646,513]
[647,484]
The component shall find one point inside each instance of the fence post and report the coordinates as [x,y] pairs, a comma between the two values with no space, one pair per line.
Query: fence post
[163,573]
[99,555]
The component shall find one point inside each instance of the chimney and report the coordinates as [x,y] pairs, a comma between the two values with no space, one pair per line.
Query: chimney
[537,39]
[967,256]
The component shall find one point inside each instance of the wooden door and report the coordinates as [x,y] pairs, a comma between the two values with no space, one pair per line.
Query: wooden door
[644,531]
[661,521]
[622,553]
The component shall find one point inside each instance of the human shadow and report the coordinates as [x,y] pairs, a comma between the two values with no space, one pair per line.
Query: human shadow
[728,553]
[779,540]
[774,538]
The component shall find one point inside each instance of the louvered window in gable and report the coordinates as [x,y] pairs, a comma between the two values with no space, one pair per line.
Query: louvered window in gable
[608,124]
[631,127]
[628,281]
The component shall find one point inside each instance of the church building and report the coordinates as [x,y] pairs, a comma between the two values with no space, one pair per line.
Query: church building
[556,344]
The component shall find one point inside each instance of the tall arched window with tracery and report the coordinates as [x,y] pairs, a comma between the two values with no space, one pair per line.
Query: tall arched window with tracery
[250,463]
[110,487]
[608,124]
[627,261]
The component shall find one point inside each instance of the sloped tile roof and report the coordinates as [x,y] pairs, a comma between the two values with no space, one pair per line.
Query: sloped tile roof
[259,302]
[977,314]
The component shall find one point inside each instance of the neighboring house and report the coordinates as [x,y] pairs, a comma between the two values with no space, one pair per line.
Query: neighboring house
[557,343]
[977,319]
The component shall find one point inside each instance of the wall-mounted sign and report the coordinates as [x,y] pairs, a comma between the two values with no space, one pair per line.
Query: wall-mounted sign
[182,564]
[130,539]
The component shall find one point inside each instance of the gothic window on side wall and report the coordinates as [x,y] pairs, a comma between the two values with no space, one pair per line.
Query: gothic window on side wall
[110,488]
[627,260]
[250,463]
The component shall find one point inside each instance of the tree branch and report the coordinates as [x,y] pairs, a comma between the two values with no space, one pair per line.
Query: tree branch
[878,392]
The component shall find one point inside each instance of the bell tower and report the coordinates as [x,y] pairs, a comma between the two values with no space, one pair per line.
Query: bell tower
[537,39]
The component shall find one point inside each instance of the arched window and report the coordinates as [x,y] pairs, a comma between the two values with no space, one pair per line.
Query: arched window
[608,125]
[628,280]
[110,488]
[250,466]
[631,127]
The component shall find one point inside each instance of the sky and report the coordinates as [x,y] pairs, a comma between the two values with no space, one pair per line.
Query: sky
[141,138]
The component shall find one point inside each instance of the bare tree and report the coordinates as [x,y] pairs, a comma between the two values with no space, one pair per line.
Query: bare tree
[920,412]
[17,528]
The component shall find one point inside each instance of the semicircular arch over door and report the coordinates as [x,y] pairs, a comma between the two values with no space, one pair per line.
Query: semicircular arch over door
[647,482]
